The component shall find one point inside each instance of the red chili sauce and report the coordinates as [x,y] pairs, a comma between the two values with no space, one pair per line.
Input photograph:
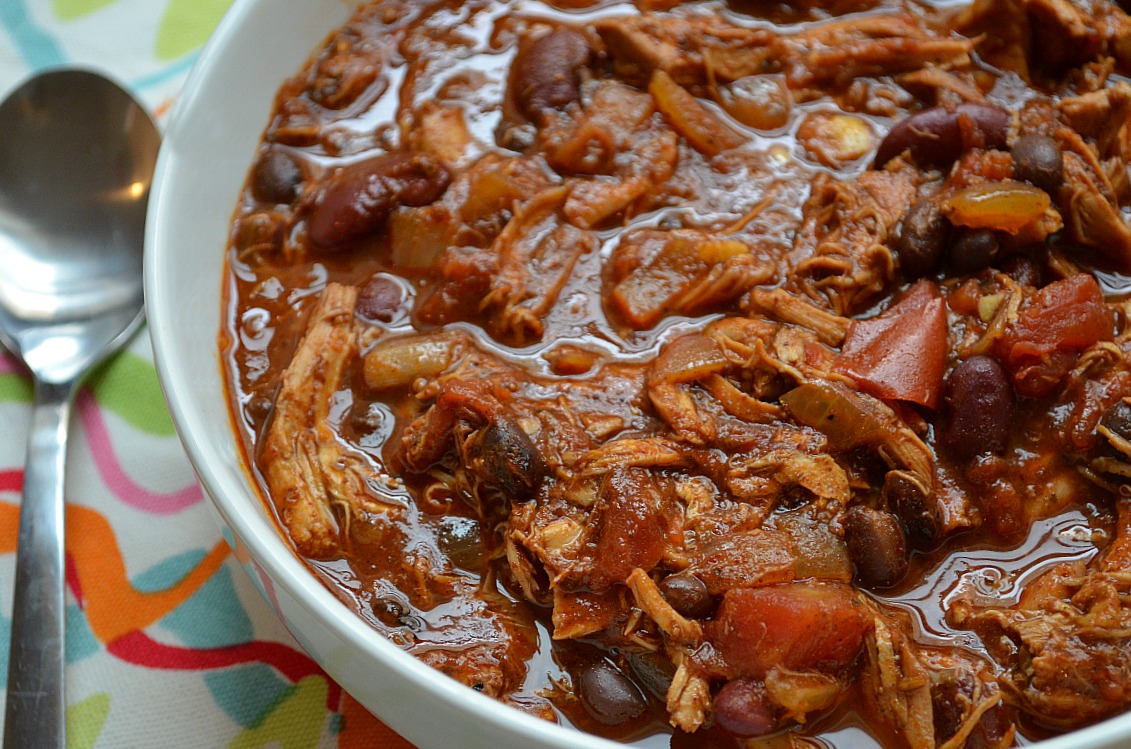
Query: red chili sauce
[709,374]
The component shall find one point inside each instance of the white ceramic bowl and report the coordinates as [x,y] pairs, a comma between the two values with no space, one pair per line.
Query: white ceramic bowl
[208,147]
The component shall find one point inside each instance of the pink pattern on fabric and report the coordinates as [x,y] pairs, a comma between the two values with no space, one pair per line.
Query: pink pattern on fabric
[124,488]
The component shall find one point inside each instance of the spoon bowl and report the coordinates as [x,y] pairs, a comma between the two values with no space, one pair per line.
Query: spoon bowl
[76,162]
[75,166]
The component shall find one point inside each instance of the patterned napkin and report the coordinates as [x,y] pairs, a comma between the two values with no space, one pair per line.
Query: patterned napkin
[168,643]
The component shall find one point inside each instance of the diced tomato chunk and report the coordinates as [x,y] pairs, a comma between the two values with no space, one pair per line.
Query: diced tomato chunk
[798,626]
[635,523]
[1051,330]
[901,353]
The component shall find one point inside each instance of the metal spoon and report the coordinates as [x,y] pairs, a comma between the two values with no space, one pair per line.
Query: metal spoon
[76,160]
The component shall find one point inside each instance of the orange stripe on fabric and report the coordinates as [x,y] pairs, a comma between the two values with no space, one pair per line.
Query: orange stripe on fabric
[113,606]
[9,527]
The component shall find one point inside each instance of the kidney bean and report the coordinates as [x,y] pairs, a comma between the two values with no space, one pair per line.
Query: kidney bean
[979,403]
[1037,160]
[973,249]
[608,695]
[688,595]
[358,198]
[276,177]
[380,299]
[876,545]
[923,236]
[545,73]
[743,708]
[937,137]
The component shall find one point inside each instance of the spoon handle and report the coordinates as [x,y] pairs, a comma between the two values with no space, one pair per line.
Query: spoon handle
[36,708]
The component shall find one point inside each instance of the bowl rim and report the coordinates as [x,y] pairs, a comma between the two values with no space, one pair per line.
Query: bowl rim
[260,533]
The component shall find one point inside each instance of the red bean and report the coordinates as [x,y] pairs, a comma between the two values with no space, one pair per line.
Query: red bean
[937,137]
[358,198]
[380,299]
[688,595]
[876,545]
[979,403]
[545,72]
[608,695]
[743,708]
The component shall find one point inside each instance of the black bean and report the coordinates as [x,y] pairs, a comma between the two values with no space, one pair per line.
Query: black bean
[276,177]
[545,73]
[973,249]
[1037,159]
[1024,270]
[937,137]
[461,539]
[510,460]
[653,671]
[742,708]
[389,611]
[358,198]
[919,513]
[979,404]
[688,595]
[876,545]
[367,419]
[1118,419]
[950,698]
[923,236]
[608,695]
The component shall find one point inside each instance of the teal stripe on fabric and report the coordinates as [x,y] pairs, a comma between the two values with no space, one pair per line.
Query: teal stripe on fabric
[247,693]
[161,76]
[35,45]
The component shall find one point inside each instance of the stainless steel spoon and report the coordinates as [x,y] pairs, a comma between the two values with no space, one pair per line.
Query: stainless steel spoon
[76,160]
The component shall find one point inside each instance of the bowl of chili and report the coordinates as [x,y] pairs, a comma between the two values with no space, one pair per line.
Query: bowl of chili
[710,372]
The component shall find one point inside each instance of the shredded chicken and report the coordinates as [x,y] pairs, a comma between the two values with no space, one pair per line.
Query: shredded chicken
[536,255]
[843,251]
[316,480]
[900,686]
[1065,644]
